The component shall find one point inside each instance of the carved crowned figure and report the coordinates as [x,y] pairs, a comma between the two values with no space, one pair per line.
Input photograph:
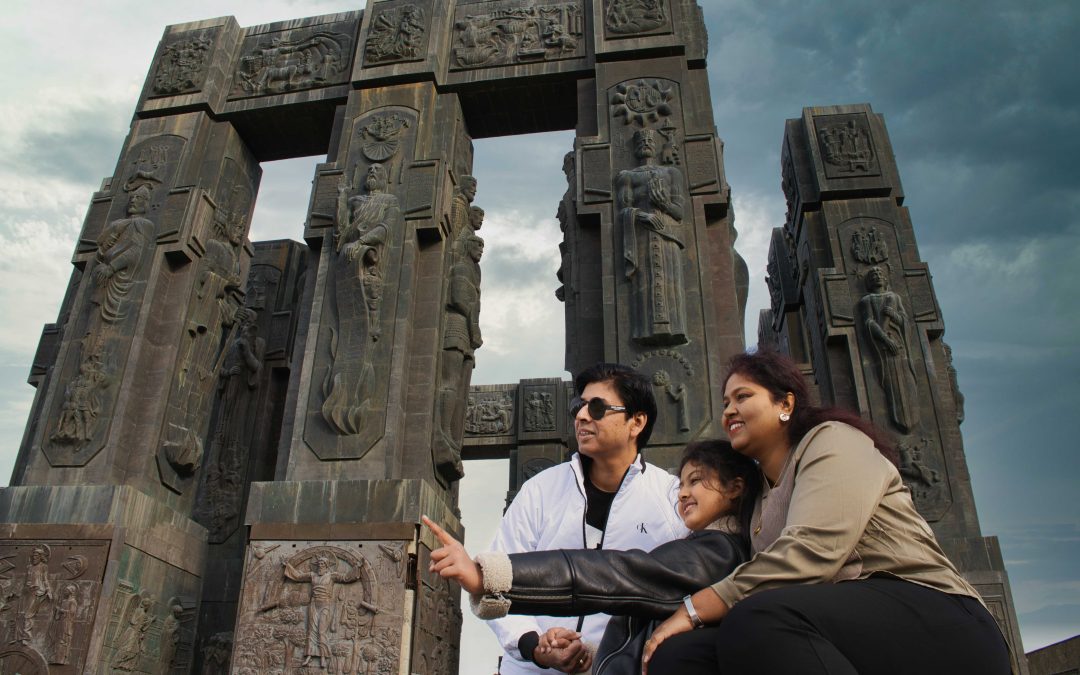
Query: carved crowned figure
[650,213]
[365,224]
[885,321]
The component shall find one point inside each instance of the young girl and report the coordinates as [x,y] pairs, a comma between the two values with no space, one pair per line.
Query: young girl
[718,489]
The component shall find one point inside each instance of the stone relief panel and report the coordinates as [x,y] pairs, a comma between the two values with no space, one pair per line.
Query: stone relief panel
[117,248]
[213,321]
[224,482]
[539,411]
[506,33]
[398,33]
[437,624]
[184,62]
[218,653]
[653,226]
[681,409]
[293,60]
[886,324]
[49,592]
[847,146]
[311,607]
[490,413]
[635,18]
[151,623]
[362,257]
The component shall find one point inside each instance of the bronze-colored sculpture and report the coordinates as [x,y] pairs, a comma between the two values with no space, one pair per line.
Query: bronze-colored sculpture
[650,213]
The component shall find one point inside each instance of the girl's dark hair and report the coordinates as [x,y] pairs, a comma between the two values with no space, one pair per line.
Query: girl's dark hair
[728,464]
[780,375]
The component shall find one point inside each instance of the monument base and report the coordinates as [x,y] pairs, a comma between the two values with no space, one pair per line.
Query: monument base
[335,580]
[96,579]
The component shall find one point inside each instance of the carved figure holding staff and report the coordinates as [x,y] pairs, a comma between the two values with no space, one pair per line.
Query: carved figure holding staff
[650,212]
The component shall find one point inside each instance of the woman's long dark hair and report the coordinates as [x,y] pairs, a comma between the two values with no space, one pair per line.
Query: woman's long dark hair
[780,375]
[729,464]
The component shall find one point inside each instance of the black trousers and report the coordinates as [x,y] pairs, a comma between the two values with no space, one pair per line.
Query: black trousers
[876,626]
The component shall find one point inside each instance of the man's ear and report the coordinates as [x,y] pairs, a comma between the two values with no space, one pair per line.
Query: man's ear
[637,423]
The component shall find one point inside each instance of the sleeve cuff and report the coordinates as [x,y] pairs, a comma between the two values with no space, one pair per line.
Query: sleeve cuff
[498,578]
[728,591]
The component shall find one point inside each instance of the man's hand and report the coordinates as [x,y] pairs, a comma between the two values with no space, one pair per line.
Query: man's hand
[563,650]
[452,561]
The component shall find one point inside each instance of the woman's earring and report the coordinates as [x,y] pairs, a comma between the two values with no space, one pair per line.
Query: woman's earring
[784,417]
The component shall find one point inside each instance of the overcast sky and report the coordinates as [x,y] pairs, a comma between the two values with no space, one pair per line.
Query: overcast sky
[981,101]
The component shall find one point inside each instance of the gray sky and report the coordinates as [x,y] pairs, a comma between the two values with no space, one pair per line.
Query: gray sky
[981,103]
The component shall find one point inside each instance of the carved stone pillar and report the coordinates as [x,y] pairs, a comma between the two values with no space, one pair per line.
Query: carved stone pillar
[650,275]
[851,297]
[244,430]
[392,287]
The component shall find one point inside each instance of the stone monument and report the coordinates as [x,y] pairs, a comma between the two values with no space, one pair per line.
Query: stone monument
[232,444]
[852,300]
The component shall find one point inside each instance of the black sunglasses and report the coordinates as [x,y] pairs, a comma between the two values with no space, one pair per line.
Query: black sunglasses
[598,407]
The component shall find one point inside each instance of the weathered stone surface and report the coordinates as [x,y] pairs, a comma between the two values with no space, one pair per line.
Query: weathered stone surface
[852,300]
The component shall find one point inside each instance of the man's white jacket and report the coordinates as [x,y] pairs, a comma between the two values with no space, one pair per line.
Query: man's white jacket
[549,513]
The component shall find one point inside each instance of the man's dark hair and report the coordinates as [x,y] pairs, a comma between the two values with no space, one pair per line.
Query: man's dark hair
[634,389]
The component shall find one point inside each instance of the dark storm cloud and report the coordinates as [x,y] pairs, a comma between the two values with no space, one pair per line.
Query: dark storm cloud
[981,95]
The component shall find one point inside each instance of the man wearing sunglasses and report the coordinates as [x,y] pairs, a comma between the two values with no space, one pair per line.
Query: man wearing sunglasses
[606,496]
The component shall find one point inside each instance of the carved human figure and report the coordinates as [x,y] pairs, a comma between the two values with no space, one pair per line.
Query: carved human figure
[358,271]
[477,42]
[885,321]
[650,212]
[217,653]
[37,591]
[396,34]
[82,404]
[678,394]
[322,577]
[634,16]
[63,625]
[119,256]
[461,215]
[170,637]
[129,646]
[461,337]
[238,380]
[213,308]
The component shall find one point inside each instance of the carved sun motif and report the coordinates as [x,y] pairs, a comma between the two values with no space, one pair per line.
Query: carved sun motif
[642,102]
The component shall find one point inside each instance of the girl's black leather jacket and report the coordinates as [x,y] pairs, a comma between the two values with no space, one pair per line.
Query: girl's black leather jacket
[637,586]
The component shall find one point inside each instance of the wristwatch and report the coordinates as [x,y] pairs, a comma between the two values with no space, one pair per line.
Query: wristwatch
[695,620]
